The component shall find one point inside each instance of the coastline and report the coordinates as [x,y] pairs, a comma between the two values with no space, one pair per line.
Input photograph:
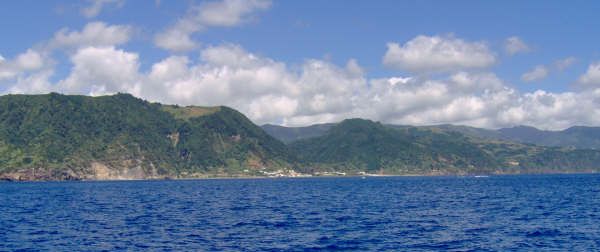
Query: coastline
[479,175]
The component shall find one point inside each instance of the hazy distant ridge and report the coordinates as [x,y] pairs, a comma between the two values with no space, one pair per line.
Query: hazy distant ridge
[580,137]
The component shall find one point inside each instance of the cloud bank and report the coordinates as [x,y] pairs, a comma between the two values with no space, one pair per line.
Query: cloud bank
[444,78]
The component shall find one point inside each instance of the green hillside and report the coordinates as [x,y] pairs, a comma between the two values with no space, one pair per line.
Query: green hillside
[579,137]
[77,137]
[357,145]
[63,137]
[291,134]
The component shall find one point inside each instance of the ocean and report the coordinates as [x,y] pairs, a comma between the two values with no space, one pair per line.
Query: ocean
[497,213]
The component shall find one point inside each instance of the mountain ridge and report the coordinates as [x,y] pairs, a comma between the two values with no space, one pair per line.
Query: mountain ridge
[581,137]
[418,150]
[122,137]
[71,137]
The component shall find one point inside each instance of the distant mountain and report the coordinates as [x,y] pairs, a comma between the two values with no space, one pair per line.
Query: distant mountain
[291,134]
[361,145]
[575,137]
[122,137]
[467,131]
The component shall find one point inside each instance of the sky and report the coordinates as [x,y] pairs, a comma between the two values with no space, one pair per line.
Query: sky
[488,64]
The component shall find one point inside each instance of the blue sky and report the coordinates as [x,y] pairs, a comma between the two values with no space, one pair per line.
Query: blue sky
[318,61]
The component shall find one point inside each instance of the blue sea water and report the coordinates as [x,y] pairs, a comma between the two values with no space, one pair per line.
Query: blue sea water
[499,213]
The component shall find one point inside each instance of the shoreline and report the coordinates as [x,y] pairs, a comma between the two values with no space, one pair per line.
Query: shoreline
[308,177]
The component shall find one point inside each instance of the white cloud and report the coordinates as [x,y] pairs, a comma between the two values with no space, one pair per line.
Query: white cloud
[438,54]
[233,56]
[475,83]
[592,76]
[556,110]
[565,63]
[95,7]
[314,91]
[223,13]
[30,67]
[264,89]
[171,68]
[317,91]
[514,45]
[537,73]
[102,70]
[35,83]
[29,61]
[6,72]
[463,98]
[422,102]
[93,34]
[176,39]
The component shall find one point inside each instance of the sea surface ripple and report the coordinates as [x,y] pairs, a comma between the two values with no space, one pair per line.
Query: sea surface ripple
[499,213]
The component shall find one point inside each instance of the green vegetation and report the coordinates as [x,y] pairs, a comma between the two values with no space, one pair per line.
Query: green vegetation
[291,134]
[579,137]
[60,137]
[361,145]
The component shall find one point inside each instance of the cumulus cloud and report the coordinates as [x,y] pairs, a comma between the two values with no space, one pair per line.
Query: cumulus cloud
[93,34]
[514,45]
[462,98]
[264,89]
[35,83]
[102,70]
[268,91]
[29,68]
[223,13]
[30,60]
[94,7]
[438,54]
[422,102]
[314,91]
[6,71]
[537,73]
[318,91]
[592,76]
[555,110]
